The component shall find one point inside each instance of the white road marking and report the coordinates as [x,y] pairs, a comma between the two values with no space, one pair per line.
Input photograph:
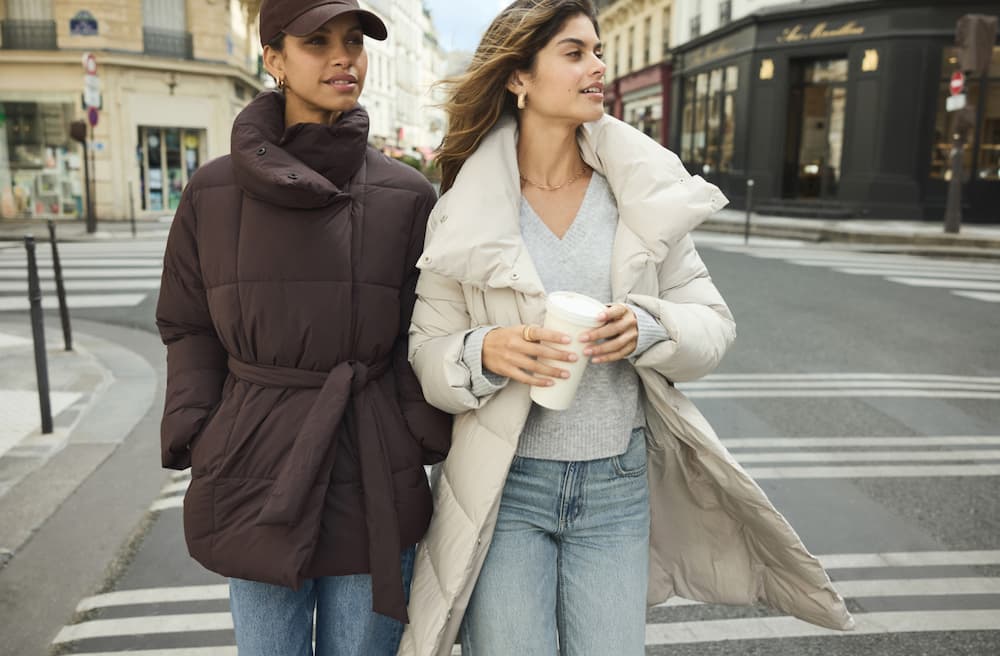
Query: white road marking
[944,378]
[20,415]
[12,340]
[910,559]
[855,442]
[842,385]
[872,471]
[673,633]
[898,271]
[16,304]
[841,393]
[980,296]
[75,262]
[167,503]
[72,286]
[917,384]
[869,456]
[84,274]
[954,283]
[175,487]
[155,596]
[155,624]
[179,651]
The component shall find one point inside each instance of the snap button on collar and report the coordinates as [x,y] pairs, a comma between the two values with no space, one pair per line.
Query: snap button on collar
[261,151]
[293,176]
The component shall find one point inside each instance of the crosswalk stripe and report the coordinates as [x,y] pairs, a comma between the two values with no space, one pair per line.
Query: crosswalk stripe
[841,393]
[179,651]
[717,384]
[760,628]
[872,471]
[10,274]
[948,282]
[913,272]
[855,442]
[66,263]
[175,487]
[84,285]
[888,559]
[155,596]
[18,304]
[155,624]
[837,376]
[869,456]
[980,296]
[167,503]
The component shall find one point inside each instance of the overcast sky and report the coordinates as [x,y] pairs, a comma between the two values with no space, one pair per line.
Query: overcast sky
[460,23]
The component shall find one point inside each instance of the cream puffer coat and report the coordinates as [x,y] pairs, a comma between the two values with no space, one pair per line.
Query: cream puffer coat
[714,535]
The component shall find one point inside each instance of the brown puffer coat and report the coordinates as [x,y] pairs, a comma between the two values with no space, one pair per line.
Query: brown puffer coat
[288,284]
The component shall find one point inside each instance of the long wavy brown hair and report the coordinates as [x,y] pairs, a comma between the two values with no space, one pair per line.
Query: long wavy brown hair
[479,97]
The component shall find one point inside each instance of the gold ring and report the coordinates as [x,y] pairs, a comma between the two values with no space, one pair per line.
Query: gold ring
[526,332]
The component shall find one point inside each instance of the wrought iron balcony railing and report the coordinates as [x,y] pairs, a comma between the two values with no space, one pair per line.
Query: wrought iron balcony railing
[167,43]
[28,34]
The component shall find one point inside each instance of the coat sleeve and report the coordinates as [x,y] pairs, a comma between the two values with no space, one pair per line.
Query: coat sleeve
[196,359]
[429,425]
[438,331]
[699,325]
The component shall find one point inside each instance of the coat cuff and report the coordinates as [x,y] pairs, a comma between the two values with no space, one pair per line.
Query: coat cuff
[484,382]
[651,331]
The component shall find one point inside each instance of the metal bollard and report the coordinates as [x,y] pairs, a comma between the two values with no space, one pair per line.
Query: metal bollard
[746,227]
[60,289]
[38,334]
[131,206]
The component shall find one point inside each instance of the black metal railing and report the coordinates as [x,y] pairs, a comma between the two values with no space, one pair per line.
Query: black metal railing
[167,43]
[28,34]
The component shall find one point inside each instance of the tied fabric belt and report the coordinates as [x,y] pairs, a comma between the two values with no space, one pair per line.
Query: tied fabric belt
[344,395]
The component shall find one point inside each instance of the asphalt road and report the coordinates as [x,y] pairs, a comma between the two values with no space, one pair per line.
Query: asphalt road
[862,394]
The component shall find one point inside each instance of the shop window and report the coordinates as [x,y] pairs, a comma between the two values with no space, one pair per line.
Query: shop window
[630,45]
[696,26]
[729,119]
[167,158]
[40,166]
[708,120]
[665,27]
[981,159]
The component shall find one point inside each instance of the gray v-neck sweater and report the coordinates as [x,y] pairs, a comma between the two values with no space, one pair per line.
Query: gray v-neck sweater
[607,405]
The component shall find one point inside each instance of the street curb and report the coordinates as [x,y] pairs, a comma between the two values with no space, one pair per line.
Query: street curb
[960,246]
[110,415]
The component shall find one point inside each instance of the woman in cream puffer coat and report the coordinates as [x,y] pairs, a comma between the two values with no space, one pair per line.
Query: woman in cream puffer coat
[714,535]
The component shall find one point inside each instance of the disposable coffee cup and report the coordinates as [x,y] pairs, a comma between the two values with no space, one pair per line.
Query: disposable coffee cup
[572,314]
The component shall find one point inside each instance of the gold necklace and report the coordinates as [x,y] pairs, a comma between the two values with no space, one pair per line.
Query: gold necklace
[556,187]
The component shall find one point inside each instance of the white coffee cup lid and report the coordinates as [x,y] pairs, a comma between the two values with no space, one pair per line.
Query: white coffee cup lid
[575,308]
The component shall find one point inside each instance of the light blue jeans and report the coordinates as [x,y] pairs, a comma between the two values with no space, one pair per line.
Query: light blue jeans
[272,620]
[567,569]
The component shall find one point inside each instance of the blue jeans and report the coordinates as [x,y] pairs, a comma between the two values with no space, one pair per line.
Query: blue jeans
[567,569]
[272,620]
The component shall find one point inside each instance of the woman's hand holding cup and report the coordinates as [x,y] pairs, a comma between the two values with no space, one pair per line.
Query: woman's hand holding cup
[515,352]
[620,333]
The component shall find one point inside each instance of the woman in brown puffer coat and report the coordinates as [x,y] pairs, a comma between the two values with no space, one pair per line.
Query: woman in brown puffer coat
[287,289]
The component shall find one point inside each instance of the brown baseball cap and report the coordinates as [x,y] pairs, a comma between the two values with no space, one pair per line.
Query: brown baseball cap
[303,17]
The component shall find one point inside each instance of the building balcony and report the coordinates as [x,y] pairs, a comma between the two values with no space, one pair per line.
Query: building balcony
[167,43]
[28,34]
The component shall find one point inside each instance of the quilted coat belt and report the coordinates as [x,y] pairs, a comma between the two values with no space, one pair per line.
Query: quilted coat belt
[344,396]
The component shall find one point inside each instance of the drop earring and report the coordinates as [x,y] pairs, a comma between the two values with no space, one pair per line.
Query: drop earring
[521,98]
[281,83]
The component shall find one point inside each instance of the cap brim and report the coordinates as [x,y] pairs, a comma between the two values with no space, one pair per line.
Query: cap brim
[317,17]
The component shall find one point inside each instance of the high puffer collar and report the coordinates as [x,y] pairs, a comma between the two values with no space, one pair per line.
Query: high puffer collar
[304,166]
[475,236]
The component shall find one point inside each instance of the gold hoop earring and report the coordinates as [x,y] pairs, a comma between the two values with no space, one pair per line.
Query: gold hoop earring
[281,84]
[521,98]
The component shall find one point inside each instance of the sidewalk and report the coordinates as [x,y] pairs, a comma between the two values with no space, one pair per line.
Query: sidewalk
[916,237]
[99,391]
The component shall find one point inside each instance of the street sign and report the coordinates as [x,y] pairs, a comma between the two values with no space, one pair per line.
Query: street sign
[92,115]
[955,103]
[91,91]
[957,83]
[89,63]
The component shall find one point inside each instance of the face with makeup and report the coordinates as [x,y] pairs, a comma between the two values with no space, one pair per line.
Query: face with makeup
[567,80]
[323,72]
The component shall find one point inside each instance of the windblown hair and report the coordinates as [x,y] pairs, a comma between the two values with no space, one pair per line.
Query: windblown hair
[479,97]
